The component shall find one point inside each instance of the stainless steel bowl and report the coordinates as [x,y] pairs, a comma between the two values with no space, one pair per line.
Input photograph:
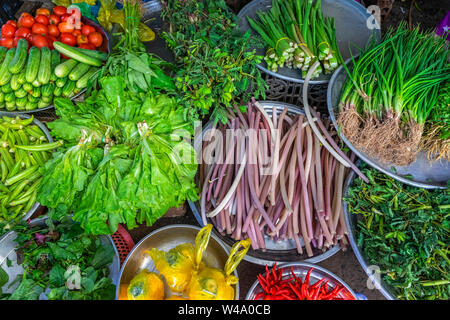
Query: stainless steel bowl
[166,238]
[301,269]
[351,221]
[44,129]
[352,31]
[8,252]
[276,251]
[425,174]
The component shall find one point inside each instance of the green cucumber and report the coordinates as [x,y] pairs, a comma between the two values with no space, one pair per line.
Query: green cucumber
[42,104]
[14,82]
[32,99]
[5,74]
[45,68]
[63,69]
[48,99]
[20,93]
[36,83]
[47,90]
[36,92]
[28,87]
[2,97]
[7,88]
[20,58]
[61,82]
[10,97]
[21,77]
[79,71]
[21,102]
[58,91]
[68,89]
[31,106]
[100,55]
[76,54]
[10,105]
[83,81]
[56,59]
[34,59]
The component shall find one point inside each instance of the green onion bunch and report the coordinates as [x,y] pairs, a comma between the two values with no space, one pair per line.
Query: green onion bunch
[391,92]
[298,35]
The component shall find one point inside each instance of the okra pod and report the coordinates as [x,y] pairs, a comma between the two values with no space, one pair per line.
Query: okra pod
[24,174]
[41,147]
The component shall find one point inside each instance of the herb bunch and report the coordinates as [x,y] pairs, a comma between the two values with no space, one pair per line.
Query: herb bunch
[406,232]
[51,255]
[216,67]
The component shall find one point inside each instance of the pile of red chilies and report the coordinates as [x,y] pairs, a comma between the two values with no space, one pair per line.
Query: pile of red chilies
[264,175]
[274,287]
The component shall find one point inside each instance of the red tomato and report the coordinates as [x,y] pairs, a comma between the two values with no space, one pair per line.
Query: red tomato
[59,10]
[40,18]
[43,11]
[54,19]
[76,32]
[53,30]
[96,39]
[39,28]
[7,42]
[68,39]
[22,32]
[81,39]
[65,16]
[12,22]
[65,27]
[39,41]
[8,30]
[86,46]
[26,20]
[50,40]
[86,30]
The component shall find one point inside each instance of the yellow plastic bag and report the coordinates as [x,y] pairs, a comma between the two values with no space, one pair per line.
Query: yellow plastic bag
[178,264]
[215,284]
[146,285]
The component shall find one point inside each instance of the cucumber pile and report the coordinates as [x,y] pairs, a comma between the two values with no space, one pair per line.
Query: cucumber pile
[24,148]
[30,80]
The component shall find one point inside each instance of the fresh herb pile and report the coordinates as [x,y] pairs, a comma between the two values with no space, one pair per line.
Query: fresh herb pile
[406,232]
[298,35]
[391,92]
[126,156]
[50,257]
[216,68]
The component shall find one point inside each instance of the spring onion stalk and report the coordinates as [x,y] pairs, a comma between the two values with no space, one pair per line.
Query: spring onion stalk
[298,35]
[391,92]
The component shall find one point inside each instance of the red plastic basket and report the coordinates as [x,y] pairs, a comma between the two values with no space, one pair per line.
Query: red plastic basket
[123,241]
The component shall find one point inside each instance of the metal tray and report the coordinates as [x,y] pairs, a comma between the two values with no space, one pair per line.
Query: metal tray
[351,220]
[44,129]
[352,32]
[276,251]
[300,270]
[166,238]
[106,47]
[425,174]
[7,251]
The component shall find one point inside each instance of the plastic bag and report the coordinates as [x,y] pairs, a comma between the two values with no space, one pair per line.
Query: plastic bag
[178,264]
[216,284]
[146,285]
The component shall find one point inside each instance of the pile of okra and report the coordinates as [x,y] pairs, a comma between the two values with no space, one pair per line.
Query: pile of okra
[24,148]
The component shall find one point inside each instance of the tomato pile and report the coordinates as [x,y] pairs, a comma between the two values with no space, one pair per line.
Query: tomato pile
[46,27]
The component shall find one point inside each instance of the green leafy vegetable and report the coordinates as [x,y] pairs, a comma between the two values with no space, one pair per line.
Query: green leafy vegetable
[406,232]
